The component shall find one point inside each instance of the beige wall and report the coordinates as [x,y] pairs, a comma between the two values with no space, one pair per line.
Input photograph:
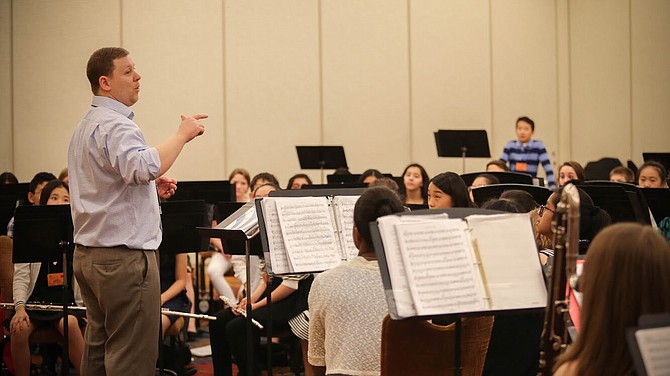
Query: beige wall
[378,77]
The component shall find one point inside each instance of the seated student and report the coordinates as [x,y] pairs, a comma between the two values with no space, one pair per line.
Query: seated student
[298,180]
[526,154]
[369,176]
[514,348]
[592,219]
[347,303]
[652,175]
[8,178]
[622,174]
[497,165]
[34,191]
[39,282]
[570,171]
[448,190]
[626,274]
[173,276]
[529,205]
[482,180]
[415,185]
[240,177]
[260,179]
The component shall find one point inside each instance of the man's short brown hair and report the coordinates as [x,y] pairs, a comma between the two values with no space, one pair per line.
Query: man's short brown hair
[101,63]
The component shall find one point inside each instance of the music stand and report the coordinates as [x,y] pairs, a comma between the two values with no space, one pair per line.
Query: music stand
[623,202]
[210,191]
[662,158]
[41,234]
[493,191]
[658,200]
[321,157]
[462,143]
[229,238]
[179,220]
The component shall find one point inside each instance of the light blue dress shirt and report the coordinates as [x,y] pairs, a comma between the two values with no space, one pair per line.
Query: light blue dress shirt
[113,195]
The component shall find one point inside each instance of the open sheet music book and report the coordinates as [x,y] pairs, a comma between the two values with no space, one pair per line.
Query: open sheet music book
[308,234]
[649,344]
[433,265]
[244,219]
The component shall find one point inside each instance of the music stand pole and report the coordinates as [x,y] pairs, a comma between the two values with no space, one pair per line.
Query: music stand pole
[250,350]
[66,354]
[464,152]
[457,348]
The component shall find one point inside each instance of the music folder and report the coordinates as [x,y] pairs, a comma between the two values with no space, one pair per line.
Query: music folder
[434,265]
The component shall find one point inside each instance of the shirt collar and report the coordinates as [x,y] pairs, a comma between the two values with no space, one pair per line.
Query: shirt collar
[113,104]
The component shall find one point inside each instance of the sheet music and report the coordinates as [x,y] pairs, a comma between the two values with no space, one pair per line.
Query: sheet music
[278,259]
[344,217]
[402,296]
[654,345]
[309,234]
[510,262]
[247,222]
[440,267]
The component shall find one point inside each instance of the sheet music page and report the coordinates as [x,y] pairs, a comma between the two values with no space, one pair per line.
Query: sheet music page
[309,234]
[654,345]
[510,260]
[402,296]
[278,259]
[344,217]
[440,266]
[247,222]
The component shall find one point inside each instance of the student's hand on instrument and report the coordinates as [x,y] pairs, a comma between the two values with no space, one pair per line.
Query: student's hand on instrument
[20,320]
[191,127]
[241,305]
[166,186]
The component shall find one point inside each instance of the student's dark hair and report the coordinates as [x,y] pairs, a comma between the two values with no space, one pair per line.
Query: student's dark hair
[270,184]
[38,179]
[386,182]
[370,172]
[297,176]
[662,172]
[424,178]
[522,198]
[503,205]
[490,179]
[264,176]
[579,170]
[240,171]
[626,172]
[375,202]
[341,171]
[526,119]
[452,184]
[592,218]
[51,185]
[8,178]
[498,162]
[101,63]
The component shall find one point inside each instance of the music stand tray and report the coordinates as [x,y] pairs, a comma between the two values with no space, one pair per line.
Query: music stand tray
[179,220]
[462,143]
[506,177]
[210,191]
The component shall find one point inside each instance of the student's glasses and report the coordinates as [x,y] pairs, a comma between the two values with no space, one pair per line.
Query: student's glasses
[543,208]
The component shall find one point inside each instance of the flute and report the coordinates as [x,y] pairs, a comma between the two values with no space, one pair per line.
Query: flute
[241,311]
[50,307]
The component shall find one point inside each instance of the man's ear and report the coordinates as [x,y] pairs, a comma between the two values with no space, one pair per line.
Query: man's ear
[103,82]
[31,198]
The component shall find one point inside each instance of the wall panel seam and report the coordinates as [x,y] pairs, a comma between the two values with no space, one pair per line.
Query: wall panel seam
[630,78]
[12,152]
[491,99]
[569,137]
[224,90]
[409,82]
[320,47]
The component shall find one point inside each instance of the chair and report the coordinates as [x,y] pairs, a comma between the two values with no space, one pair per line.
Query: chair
[418,347]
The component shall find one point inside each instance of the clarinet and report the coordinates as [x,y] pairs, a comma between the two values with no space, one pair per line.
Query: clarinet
[565,226]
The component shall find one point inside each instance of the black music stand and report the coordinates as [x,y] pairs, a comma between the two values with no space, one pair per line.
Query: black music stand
[493,191]
[179,220]
[42,234]
[321,157]
[230,239]
[462,143]
[658,200]
[622,201]
[662,158]
[211,191]
[11,196]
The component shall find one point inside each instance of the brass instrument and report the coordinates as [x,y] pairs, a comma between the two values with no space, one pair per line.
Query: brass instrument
[241,311]
[50,307]
[565,226]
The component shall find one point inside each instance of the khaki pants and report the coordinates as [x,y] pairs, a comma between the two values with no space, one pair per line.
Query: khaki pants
[121,291]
